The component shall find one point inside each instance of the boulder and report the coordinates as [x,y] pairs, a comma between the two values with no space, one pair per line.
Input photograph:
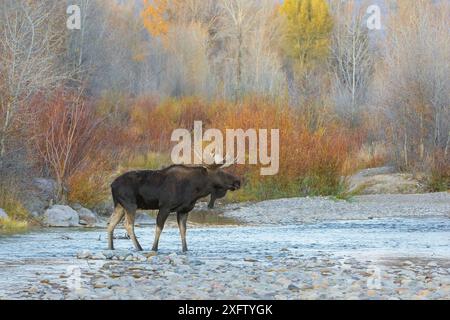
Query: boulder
[384,180]
[3,214]
[104,208]
[87,216]
[41,195]
[143,219]
[76,206]
[61,216]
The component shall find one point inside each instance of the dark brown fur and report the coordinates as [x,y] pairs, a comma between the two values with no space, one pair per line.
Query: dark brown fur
[173,189]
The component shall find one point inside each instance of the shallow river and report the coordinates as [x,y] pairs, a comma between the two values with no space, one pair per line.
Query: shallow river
[28,258]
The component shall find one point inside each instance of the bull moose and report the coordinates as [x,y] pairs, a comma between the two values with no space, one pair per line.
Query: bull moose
[173,189]
[218,193]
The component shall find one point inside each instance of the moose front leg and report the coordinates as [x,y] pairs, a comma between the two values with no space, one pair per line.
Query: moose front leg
[160,221]
[212,200]
[182,219]
[216,194]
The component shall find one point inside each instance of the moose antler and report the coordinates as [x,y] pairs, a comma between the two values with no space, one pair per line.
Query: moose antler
[228,162]
[216,162]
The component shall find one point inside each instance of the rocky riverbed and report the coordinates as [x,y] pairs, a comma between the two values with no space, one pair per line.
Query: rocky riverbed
[315,209]
[376,256]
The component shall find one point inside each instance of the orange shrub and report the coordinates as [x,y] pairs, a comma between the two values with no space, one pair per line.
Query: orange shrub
[151,126]
[90,185]
[311,161]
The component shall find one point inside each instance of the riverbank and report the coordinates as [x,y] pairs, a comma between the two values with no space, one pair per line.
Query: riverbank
[372,259]
[316,209]
[372,247]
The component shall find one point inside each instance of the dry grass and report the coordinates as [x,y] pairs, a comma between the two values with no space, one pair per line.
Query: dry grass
[18,216]
[89,186]
[10,226]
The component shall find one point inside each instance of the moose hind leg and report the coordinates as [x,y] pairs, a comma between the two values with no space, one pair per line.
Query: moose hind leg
[114,221]
[129,226]
[160,221]
[182,219]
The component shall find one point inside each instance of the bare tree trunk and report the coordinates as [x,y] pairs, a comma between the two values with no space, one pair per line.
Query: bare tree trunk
[405,149]
[353,111]
[421,143]
[4,130]
[447,145]
[239,66]
[60,198]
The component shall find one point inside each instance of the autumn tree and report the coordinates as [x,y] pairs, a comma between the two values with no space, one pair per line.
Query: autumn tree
[307,28]
[65,133]
[263,67]
[351,62]
[238,20]
[185,29]
[31,46]
[246,58]
[415,87]
[154,16]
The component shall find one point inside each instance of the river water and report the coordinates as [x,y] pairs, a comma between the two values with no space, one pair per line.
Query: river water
[25,259]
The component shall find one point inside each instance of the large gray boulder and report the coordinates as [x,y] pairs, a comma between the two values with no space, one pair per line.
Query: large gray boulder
[87,217]
[61,216]
[104,209]
[3,214]
[41,194]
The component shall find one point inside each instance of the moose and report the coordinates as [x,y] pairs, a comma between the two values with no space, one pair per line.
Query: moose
[218,193]
[173,189]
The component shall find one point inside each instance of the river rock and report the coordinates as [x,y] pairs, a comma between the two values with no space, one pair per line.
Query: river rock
[3,214]
[293,287]
[108,254]
[85,254]
[129,258]
[61,216]
[87,216]
[104,208]
[41,195]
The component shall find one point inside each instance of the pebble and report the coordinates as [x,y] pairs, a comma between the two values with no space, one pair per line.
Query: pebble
[250,260]
[85,254]
[293,287]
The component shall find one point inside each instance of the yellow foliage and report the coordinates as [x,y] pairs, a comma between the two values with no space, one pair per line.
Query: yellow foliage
[17,213]
[307,28]
[10,202]
[8,226]
[154,18]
